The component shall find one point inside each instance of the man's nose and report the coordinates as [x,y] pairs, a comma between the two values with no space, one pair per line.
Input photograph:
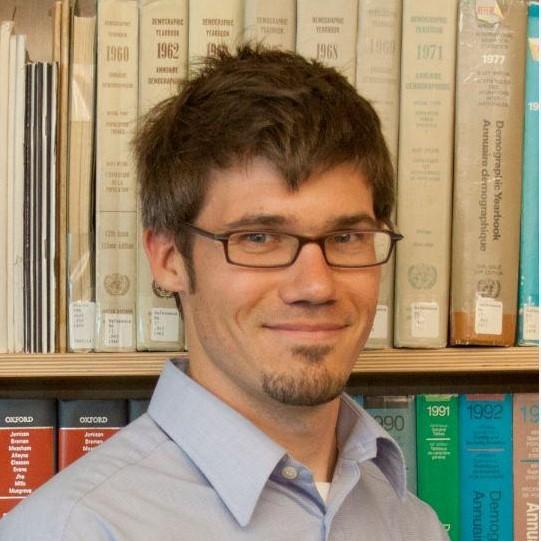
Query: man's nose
[309,279]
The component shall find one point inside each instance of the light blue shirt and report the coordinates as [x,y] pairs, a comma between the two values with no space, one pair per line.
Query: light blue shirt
[193,469]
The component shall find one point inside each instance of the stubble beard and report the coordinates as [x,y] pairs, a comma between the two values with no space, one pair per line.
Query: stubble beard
[315,386]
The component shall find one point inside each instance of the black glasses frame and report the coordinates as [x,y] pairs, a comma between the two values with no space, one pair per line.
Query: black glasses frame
[320,241]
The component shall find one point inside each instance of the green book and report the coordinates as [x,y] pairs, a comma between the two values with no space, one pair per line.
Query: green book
[437,458]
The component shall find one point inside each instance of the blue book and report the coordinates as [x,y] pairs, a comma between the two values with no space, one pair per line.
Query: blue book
[397,415]
[528,293]
[486,467]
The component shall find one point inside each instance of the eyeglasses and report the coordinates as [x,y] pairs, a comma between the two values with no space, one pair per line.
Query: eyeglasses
[355,248]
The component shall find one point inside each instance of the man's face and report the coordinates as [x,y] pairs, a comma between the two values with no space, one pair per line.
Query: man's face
[289,334]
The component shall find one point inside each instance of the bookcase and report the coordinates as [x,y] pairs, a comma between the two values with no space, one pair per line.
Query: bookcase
[390,371]
[461,369]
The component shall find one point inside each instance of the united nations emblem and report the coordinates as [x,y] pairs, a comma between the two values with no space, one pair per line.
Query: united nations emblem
[116,284]
[160,291]
[422,276]
[488,287]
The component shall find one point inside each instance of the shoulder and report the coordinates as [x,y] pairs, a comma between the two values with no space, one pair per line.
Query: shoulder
[414,518]
[47,513]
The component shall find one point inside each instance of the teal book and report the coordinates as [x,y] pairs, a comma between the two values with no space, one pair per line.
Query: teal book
[396,414]
[528,293]
[438,481]
[486,467]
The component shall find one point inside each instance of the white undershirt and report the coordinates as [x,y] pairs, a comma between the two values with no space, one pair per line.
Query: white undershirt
[323,489]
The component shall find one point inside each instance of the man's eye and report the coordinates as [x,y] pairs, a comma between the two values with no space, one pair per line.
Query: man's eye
[344,238]
[256,238]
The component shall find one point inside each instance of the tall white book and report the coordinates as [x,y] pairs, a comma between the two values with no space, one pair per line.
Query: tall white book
[163,60]
[16,200]
[327,31]
[116,200]
[81,307]
[6,29]
[378,80]
[272,23]
[425,173]
[213,25]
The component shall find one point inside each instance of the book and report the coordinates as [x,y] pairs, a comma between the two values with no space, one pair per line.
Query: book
[9,190]
[528,291]
[16,204]
[61,174]
[272,23]
[27,448]
[328,32]
[437,458]
[488,160]
[163,62]
[85,424]
[526,465]
[425,173]
[116,199]
[213,25]
[6,28]
[486,467]
[378,80]
[397,415]
[81,294]
[136,407]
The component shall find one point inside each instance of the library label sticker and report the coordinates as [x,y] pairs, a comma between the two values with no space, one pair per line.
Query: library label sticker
[425,320]
[118,330]
[488,316]
[165,324]
[379,327]
[82,319]
[531,323]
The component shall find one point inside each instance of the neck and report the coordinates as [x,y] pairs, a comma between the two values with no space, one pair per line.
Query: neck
[308,433]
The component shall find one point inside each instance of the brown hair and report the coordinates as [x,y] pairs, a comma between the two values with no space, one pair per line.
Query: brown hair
[300,115]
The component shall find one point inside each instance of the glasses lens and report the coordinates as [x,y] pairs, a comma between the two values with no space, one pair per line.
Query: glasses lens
[357,248]
[262,248]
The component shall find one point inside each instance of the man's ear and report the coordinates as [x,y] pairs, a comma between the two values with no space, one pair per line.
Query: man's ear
[166,263]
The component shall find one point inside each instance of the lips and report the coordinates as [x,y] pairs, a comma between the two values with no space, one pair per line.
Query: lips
[306,327]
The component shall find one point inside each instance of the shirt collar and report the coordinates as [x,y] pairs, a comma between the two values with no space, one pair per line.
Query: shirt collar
[236,457]
[360,438]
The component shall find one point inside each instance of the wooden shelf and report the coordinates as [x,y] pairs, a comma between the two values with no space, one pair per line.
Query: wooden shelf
[392,361]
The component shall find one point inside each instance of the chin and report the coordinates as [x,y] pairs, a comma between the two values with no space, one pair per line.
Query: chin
[314,387]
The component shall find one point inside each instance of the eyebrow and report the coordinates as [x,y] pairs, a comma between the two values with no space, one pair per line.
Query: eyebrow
[340,222]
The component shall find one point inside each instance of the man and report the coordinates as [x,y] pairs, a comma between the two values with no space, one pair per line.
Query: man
[267,190]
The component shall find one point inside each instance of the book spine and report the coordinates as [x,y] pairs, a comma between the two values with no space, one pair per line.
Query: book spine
[488,158]
[136,408]
[6,27]
[437,458]
[213,25]
[18,196]
[271,23]
[61,193]
[85,424]
[378,80]
[425,167]
[82,313]
[528,293]
[328,32]
[486,467]
[397,415]
[526,466]
[116,201]
[163,59]
[10,189]
[27,448]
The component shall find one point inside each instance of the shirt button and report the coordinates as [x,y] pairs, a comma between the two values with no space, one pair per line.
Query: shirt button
[289,472]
